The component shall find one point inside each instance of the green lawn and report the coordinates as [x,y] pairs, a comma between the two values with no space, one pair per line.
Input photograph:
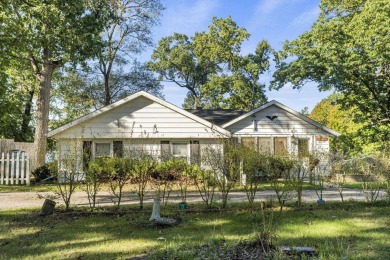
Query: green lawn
[352,230]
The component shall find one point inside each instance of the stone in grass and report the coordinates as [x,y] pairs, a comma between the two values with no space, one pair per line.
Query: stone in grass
[298,250]
[48,207]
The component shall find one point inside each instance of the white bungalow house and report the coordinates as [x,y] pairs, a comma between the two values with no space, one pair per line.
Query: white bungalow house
[143,120]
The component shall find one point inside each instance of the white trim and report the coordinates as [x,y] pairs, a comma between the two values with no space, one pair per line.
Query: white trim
[295,113]
[102,110]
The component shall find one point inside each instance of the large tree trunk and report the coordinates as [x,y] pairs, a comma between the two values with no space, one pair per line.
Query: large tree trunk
[107,97]
[43,104]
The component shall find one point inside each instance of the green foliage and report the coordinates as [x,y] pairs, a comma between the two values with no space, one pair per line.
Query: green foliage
[225,165]
[120,171]
[170,171]
[144,165]
[210,66]
[48,35]
[346,50]
[254,169]
[95,175]
[330,112]
[43,172]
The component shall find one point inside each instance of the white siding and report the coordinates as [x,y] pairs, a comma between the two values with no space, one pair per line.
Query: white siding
[285,125]
[141,118]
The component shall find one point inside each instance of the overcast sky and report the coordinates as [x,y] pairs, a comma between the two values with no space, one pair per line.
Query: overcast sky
[272,20]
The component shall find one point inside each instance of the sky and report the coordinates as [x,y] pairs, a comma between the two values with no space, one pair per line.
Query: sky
[273,20]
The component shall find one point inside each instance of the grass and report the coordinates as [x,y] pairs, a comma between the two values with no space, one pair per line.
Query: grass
[353,230]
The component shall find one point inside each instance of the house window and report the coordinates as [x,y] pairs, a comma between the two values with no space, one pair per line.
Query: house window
[303,147]
[248,142]
[179,150]
[189,151]
[264,145]
[280,146]
[102,149]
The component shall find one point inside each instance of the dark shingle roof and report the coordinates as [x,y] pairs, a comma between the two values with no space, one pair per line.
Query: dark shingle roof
[217,116]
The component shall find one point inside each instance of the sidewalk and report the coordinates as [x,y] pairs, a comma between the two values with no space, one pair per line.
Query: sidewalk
[17,200]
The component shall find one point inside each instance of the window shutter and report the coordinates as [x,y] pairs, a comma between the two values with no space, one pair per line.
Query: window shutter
[118,148]
[195,152]
[164,150]
[87,154]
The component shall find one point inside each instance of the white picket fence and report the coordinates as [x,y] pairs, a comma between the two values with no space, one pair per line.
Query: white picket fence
[14,168]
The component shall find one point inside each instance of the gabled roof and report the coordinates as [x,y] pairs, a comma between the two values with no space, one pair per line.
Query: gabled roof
[280,105]
[129,99]
[217,116]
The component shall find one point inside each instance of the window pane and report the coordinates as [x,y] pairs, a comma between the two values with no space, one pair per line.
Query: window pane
[102,149]
[179,149]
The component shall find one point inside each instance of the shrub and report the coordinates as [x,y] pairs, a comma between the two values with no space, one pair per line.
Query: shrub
[45,171]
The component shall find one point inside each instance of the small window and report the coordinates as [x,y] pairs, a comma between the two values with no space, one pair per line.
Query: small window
[102,149]
[179,149]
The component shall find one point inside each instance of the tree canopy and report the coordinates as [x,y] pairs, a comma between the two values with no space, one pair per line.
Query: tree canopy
[210,65]
[47,35]
[347,49]
[329,112]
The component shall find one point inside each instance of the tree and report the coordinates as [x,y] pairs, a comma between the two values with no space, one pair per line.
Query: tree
[243,86]
[346,49]
[330,113]
[224,164]
[123,84]
[77,93]
[49,35]
[210,66]
[128,32]
[17,93]
[174,59]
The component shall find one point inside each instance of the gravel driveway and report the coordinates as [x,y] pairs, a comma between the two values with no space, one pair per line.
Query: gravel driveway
[17,200]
